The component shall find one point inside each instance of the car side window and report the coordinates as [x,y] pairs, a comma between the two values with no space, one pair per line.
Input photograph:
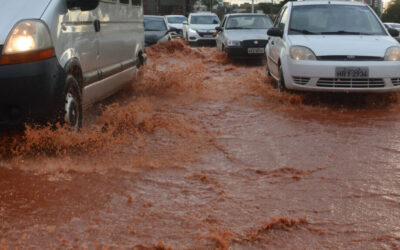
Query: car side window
[124,1]
[283,20]
[136,2]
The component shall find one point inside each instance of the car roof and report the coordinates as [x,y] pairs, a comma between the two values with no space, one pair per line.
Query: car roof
[149,16]
[322,2]
[203,14]
[247,14]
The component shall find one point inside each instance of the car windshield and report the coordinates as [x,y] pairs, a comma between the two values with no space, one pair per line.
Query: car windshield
[395,26]
[334,20]
[204,20]
[176,19]
[154,24]
[249,22]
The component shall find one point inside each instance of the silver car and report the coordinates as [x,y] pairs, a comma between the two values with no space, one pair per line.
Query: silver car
[395,26]
[244,35]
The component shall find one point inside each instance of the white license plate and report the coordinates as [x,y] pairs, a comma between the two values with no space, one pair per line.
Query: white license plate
[255,50]
[352,72]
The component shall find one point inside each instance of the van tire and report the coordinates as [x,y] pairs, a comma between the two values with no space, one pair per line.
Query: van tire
[71,110]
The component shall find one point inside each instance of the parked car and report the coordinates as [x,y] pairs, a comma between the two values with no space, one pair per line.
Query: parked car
[200,28]
[176,21]
[156,30]
[394,26]
[244,35]
[335,46]
[59,56]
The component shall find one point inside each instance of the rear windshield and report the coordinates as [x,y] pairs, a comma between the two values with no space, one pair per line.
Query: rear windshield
[204,20]
[334,20]
[176,19]
[249,22]
[154,24]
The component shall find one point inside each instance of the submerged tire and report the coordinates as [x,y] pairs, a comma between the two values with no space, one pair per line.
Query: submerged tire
[281,82]
[71,111]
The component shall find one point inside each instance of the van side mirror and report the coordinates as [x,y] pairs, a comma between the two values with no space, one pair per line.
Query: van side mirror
[393,32]
[275,32]
[185,23]
[219,29]
[84,5]
[171,30]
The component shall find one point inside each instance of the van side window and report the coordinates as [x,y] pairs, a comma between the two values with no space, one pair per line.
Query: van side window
[109,1]
[124,1]
[137,2]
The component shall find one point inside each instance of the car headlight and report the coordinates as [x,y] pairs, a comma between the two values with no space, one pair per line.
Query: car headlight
[192,30]
[393,54]
[231,43]
[28,41]
[300,53]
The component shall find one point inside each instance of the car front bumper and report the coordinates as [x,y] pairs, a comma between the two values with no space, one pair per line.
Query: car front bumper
[30,91]
[321,76]
[243,52]
[195,37]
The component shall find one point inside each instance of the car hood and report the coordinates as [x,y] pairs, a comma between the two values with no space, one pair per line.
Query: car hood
[152,37]
[330,45]
[241,35]
[13,11]
[176,25]
[204,27]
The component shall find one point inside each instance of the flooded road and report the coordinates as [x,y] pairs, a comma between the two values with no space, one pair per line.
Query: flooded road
[203,153]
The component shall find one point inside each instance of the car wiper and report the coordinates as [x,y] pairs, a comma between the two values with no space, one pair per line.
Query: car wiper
[236,28]
[342,32]
[306,32]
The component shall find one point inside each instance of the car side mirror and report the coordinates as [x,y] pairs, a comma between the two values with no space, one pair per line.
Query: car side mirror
[219,29]
[185,23]
[275,32]
[393,32]
[84,5]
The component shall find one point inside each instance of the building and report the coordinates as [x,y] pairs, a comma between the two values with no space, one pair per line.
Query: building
[167,7]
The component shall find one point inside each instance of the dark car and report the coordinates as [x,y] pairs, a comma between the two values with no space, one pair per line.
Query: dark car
[156,30]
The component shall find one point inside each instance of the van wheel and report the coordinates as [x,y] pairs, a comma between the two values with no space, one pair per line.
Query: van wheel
[72,109]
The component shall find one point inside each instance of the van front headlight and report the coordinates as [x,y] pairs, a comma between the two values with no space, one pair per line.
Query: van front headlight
[393,54]
[28,41]
[301,53]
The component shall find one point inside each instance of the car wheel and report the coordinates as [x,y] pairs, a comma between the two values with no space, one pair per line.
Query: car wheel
[71,115]
[281,82]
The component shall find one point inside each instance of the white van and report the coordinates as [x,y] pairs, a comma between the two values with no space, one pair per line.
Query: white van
[59,56]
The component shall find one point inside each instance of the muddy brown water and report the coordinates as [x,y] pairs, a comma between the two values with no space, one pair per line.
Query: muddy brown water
[203,153]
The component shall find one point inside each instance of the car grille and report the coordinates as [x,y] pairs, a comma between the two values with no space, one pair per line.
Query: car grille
[203,34]
[351,83]
[301,80]
[350,58]
[396,81]
[255,43]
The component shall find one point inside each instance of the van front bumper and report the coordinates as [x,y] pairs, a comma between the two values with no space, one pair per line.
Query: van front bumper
[30,91]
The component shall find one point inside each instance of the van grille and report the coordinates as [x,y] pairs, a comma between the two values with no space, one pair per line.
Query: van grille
[351,83]
[301,80]
[396,81]
[350,58]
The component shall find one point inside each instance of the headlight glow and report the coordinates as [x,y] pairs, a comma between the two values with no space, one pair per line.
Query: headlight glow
[234,43]
[192,30]
[28,41]
[393,54]
[300,53]
[28,35]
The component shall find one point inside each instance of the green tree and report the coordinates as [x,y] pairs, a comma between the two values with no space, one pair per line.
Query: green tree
[209,3]
[392,14]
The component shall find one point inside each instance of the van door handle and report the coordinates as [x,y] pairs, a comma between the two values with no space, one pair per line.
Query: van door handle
[97,25]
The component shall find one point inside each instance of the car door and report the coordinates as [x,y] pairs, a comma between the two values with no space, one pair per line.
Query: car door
[276,43]
[221,36]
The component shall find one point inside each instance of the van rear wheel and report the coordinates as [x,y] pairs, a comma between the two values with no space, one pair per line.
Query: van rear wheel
[72,109]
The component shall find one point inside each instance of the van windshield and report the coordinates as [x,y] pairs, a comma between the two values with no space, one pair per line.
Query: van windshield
[334,20]
[154,24]
[204,20]
[176,19]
